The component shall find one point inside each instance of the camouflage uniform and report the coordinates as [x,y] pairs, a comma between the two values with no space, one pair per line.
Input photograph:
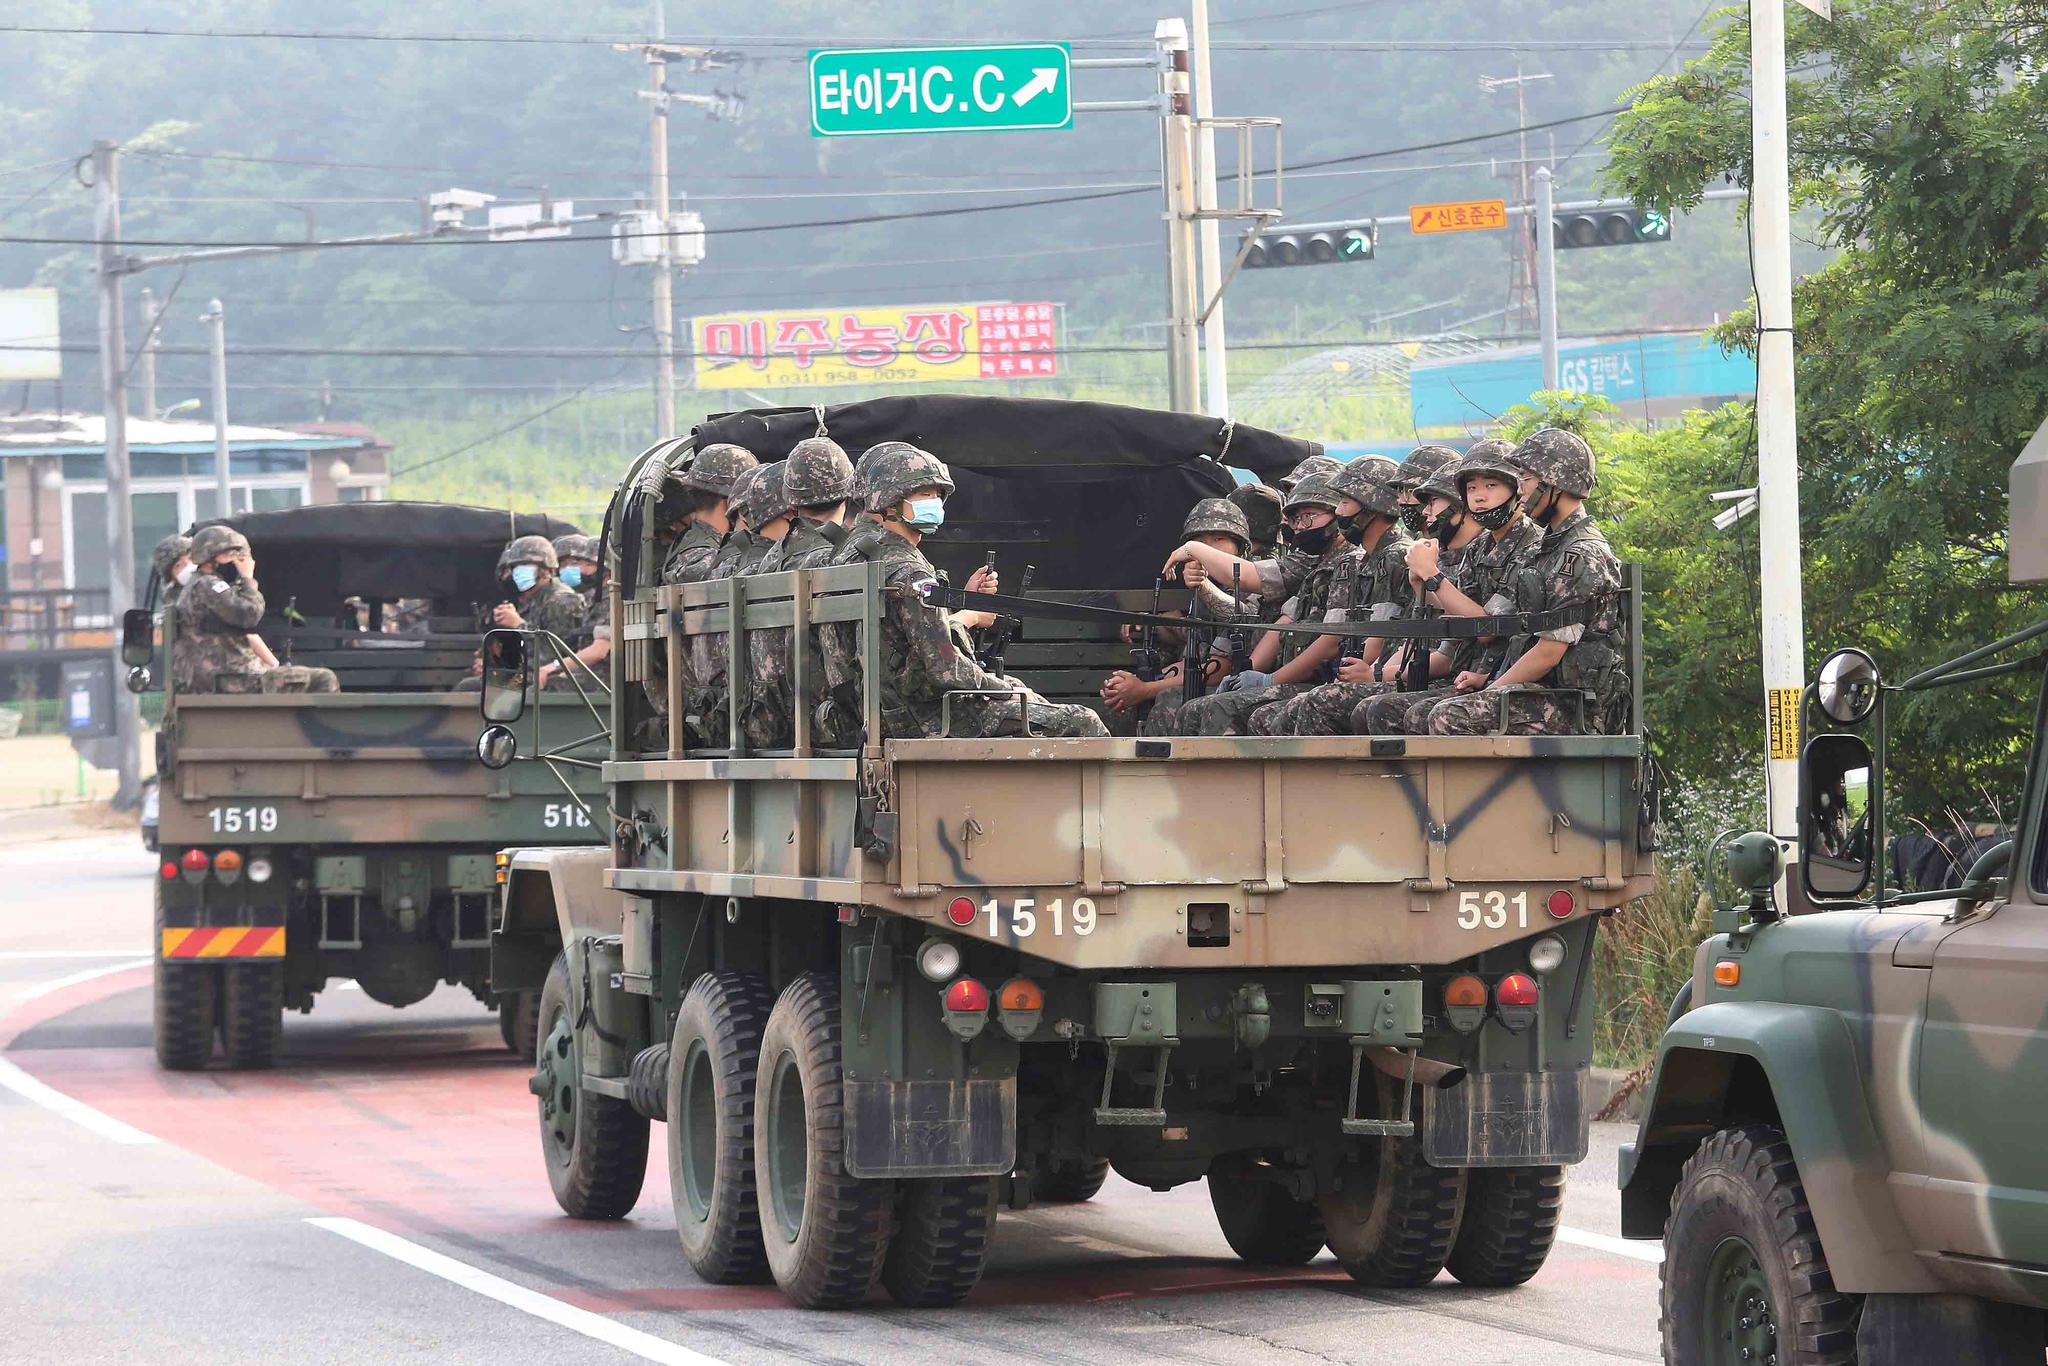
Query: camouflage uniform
[1213,608]
[707,692]
[1419,465]
[1573,567]
[817,473]
[550,606]
[168,552]
[922,656]
[1373,587]
[211,652]
[717,469]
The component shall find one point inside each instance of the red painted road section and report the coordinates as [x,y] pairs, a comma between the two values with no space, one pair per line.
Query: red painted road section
[430,1133]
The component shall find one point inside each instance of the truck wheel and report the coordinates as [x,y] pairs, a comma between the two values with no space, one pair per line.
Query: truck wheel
[1745,1277]
[596,1146]
[1263,1222]
[185,1000]
[712,1061]
[1509,1223]
[1070,1182]
[252,1014]
[826,1232]
[1390,1216]
[519,1023]
[943,1229]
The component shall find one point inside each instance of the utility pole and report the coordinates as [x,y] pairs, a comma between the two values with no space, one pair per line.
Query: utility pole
[1777,424]
[664,265]
[1521,264]
[224,503]
[1546,274]
[106,217]
[151,314]
[1177,178]
[1211,276]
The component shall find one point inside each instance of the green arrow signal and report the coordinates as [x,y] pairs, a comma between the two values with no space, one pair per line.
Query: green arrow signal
[1653,223]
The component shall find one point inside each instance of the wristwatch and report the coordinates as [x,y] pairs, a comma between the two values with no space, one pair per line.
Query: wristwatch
[1433,582]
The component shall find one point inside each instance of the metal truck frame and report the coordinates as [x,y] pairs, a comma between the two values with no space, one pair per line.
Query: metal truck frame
[874,992]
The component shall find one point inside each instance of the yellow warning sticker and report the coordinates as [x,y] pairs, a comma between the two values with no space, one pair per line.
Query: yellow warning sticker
[1784,721]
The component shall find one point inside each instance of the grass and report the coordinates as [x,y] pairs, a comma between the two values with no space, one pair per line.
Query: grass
[1640,960]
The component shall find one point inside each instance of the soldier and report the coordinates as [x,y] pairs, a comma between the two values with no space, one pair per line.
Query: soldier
[817,478]
[1498,542]
[578,557]
[742,549]
[1372,585]
[1573,568]
[172,560]
[533,599]
[706,511]
[1317,464]
[1260,504]
[1420,464]
[1221,524]
[217,615]
[707,696]
[1306,576]
[922,656]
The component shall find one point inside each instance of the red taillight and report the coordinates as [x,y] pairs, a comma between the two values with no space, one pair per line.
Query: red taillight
[169,870]
[961,912]
[967,994]
[1562,904]
[1516,989]
[195,861]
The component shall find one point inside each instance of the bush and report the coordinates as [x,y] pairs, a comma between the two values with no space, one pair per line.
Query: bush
[1640,960]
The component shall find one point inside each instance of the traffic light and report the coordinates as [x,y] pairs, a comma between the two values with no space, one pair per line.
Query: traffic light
[1609,225]
[1312,246]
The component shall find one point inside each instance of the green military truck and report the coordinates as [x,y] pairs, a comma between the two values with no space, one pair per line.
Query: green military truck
[876,992]
[1839,1146]
[307,837]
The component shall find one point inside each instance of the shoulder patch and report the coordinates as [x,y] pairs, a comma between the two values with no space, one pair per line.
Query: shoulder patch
[219,586]
[1568,563]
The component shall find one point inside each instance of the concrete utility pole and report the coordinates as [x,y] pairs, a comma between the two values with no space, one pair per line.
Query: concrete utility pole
[1177,178]
[224,503]
[106,220]
[664,265]
[1777,425]
[1215,357]
[1546,274]
[151,313]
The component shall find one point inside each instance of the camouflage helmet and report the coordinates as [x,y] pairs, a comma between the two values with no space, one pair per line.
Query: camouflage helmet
[1260,504]
[1318,464]
[1369,481]
[1492,456]
[897,469]
[1313,490]
[528,550]
[575,546]
[1217,516]
[1421,463]
[717,466]
[768,496]
[741,498]
[211,542]
[1443,482]
[818,472]
[1560,459]
[167,552]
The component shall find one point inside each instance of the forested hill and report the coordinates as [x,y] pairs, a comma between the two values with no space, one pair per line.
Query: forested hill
[245,138]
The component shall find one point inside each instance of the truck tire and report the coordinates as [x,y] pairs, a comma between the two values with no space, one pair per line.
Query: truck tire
[1509,1223]
[1390,1216]
[1069,1182]
[519,1023]
[252,1014]
[595,1146]
[944,1226]
[1263,1222]
[186,996]
[1743,1264]
[826,1231]
[712,1061]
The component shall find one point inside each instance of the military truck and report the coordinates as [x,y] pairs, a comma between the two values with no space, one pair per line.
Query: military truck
[308,837]
[874,992]
[1838,1145]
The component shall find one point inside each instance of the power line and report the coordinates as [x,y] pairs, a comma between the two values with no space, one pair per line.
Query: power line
[534,416]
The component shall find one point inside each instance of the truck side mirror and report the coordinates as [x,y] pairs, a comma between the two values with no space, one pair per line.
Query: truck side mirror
[496,747]
[1836,857]
[138,637]
[1847,687]
[504,693]
[139,680]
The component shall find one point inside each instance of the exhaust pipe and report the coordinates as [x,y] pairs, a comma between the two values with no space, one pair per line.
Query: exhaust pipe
[1437,1076]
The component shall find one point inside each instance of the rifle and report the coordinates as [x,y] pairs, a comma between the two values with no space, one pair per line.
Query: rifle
[1194,653]
[1146,661]
[1005,628]
[1240,640]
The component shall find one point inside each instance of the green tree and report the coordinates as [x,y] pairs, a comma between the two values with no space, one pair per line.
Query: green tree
[1917,138]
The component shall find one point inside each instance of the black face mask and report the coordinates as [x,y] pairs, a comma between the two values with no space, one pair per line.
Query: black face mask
[1353,528]
[1412,517]
[1314,540]
[1444,527]
[1541,505]
[228,571]
[1497,516]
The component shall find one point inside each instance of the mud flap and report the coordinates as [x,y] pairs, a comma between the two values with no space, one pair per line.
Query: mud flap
[931,1128]
[1507,1119]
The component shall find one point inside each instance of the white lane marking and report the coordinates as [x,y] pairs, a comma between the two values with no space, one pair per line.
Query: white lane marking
[13,1079]
[57,955]
[73,979]
[596,1326]
[1618,1247]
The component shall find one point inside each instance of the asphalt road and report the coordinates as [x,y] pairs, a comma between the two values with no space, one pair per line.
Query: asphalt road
[379,1198]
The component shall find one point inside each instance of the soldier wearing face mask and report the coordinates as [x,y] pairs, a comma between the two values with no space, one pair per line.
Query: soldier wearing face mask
[172,560]
[1421,463]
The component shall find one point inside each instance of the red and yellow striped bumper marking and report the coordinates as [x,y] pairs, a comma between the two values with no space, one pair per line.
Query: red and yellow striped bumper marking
[225,941]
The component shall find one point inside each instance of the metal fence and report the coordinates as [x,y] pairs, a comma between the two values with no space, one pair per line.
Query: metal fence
[48,619]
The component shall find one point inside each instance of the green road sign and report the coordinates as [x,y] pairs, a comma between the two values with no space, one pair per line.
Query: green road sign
[862,92]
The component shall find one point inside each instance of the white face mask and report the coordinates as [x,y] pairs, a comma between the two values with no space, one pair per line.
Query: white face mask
[185,574]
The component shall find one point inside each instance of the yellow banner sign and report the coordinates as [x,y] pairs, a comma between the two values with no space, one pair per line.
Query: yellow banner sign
[1471,215]
[919,343]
